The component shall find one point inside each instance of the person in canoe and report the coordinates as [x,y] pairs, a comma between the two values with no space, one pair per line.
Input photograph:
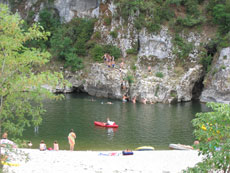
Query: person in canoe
[109,122]
[71,138]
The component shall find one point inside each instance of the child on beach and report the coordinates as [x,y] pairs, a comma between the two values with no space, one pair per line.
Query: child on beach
[42,146]
[30,144]
[56,146]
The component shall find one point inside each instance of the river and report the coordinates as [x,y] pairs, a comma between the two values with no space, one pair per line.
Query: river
[155,125]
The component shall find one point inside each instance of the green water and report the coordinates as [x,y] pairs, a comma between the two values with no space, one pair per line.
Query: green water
[155,125]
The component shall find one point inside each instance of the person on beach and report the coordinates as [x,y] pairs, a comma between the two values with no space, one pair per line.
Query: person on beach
[42,146]
[6,142]
[56,146]
[71,138]
[29,144]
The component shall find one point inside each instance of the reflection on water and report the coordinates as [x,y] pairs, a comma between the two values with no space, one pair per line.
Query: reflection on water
[156,125]
[110,132]
[36,128]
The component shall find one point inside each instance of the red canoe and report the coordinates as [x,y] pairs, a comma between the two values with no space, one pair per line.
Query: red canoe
[102,124]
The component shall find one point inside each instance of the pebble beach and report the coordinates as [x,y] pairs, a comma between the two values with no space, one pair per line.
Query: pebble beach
[158,161]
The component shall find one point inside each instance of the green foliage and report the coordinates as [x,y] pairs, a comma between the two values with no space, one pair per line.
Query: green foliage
[99,50]
[182,48]
[129,78]
[223,67]
[212,130]
[192,7]
[159,74]
[133,67]
[221,16]
[97,35]
[70,41]
[49,20]
[114,34]
[206,61]
[74,61]
[132,51]
[173,94]
[21,91]
[112,50]
[189,21]
[108,20]
[150,14]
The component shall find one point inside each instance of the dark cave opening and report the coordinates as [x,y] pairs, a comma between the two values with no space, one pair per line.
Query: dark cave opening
[197,89]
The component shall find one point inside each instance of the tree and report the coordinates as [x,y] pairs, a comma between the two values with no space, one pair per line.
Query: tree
[212,129]
[21,80]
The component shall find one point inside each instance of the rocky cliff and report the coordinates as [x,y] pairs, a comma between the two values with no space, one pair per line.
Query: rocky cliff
[166,80]
[217,82]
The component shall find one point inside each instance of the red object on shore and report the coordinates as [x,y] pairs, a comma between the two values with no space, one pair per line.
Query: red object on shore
[103,124]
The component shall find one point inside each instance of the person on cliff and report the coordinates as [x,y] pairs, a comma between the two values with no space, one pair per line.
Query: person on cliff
[113,62]
[71,138]
[105,58]
[149,69]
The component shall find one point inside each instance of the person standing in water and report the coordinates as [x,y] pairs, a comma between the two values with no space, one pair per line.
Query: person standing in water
[71,138]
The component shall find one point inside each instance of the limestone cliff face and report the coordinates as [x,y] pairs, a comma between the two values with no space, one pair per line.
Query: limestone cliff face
[165,82]
[217,83]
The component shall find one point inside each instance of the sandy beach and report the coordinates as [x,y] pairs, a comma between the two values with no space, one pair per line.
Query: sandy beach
[159,161]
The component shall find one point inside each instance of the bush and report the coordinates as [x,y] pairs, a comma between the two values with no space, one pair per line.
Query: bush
[108,20]
[206,61]
[212,130]
[74,62]
[221,16]
[97,35]
[69,41]
[114,34]
[99,50]
[182,48]
[159,74]
[189,21]
[132,51]
[49,19]
[129,78]
[112,50]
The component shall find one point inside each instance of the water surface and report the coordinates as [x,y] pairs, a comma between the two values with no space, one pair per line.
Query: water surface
[155,125]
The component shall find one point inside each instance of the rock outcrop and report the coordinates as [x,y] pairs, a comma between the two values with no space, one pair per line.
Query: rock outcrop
[217,82]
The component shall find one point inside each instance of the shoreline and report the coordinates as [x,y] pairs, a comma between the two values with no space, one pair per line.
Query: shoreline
[106,161]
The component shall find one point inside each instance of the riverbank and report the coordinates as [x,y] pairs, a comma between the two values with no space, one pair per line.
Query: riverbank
[172,161]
